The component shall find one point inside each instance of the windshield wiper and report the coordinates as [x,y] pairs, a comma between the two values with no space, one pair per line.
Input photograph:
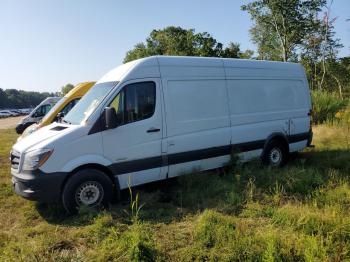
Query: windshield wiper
[66,121]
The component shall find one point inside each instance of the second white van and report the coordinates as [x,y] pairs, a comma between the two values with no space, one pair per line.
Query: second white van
[162,117]
[37,114]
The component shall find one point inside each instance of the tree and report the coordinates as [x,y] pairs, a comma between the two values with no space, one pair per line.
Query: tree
[319,51]
[234,51]
[281,26]
[329,46]
[183,42]
[65,89]
[267,42]
[3,99]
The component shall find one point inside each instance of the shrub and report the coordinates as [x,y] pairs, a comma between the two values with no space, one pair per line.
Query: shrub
[343,116]
[325,106]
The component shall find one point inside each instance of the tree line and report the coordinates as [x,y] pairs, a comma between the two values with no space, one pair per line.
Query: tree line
[13,98]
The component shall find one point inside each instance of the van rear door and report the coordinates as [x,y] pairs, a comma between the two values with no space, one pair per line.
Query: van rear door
[135,145]
[299,123]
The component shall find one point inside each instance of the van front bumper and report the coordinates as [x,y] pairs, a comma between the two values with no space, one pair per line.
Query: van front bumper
[39,186]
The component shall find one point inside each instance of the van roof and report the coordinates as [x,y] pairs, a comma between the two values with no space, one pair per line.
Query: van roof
[80,89]
[155,66]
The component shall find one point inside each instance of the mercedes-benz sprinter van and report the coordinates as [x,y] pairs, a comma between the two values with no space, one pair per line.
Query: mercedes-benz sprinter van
[62,107]
[37,114]
[162,117]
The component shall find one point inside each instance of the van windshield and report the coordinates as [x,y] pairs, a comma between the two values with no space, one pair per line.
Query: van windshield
[88,103]
[53,109]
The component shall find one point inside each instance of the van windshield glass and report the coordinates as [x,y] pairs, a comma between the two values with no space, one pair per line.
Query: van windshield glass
[53,109]
[88,103]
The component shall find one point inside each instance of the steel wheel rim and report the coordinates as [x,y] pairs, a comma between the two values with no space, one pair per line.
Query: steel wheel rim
[275,156]
[89,193]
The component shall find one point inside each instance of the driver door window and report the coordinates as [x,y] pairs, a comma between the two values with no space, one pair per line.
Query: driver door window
[42,111]
[135,102]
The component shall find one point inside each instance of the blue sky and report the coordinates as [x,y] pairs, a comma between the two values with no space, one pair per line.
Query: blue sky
[45,44]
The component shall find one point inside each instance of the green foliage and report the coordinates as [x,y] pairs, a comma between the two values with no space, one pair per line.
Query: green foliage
[184,42]
[267,43]
[65,89]
[325,106]
[319,51]
[297,31]
[282,26]
[135,207]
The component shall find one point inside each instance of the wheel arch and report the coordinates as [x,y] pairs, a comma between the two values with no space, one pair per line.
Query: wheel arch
[99,167]
[276,136]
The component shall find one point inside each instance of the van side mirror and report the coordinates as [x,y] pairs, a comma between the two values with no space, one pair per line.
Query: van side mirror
[111,118]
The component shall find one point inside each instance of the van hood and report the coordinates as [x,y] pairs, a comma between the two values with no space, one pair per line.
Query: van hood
[41,136]
[24,119]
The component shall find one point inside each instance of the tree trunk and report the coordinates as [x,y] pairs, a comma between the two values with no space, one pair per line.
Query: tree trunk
[326,19]
[285,55]
[282,42]
[323,73]
[315,74]
[339,86]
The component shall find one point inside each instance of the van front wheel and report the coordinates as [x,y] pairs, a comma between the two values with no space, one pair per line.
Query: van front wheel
[87,187]
[275,154]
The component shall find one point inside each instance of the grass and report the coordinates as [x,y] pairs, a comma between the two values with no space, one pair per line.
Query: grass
[250,213]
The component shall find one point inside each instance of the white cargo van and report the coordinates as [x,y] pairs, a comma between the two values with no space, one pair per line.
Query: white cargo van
[162,117]
[37,114]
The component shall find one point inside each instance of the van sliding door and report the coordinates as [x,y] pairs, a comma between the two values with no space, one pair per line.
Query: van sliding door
[198,125]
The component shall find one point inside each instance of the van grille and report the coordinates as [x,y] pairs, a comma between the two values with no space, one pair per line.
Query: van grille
[14,158]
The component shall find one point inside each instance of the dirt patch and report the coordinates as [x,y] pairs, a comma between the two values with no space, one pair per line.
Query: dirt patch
[9,122]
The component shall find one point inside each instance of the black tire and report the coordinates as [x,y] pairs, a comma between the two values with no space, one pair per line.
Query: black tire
[275,154]
[89,187]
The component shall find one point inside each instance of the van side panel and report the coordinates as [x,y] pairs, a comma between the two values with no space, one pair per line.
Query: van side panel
[260,107]
[197,124]
[196,105]
[261,98]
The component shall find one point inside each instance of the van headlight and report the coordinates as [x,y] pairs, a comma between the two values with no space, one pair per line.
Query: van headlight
[36,158]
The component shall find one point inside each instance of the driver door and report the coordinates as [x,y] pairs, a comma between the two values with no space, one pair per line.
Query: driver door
[135,145]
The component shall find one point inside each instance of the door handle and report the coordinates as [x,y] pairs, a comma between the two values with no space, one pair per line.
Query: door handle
[153,130]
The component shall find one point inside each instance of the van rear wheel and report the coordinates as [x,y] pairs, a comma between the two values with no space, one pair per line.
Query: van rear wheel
[87,187]
[275,154]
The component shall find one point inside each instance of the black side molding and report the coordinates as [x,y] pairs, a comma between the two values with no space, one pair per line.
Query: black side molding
[298,137]
[183,157]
